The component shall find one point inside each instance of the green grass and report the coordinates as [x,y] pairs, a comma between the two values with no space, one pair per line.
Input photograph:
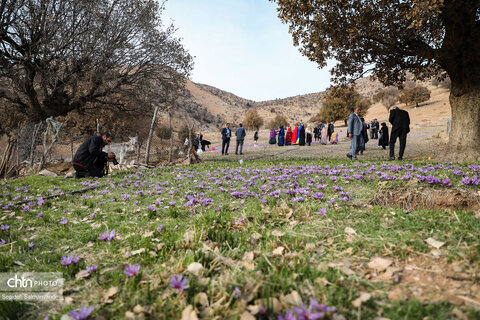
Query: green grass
[223,232]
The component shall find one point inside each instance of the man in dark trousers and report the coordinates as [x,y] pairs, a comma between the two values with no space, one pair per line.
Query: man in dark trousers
[90,160]
[226,135]
[330,130]
[377,128]
[240,133]
[400,121]
[354,132]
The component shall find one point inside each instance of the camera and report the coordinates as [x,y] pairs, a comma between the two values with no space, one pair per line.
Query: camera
[114,160]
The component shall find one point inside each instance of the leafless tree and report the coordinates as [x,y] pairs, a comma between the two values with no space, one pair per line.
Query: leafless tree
[62,55]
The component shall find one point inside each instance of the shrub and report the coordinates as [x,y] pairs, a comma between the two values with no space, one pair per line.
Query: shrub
[252,120]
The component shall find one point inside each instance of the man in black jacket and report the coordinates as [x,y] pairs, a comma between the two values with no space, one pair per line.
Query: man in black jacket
[226,135]
[90,160]
[400,121]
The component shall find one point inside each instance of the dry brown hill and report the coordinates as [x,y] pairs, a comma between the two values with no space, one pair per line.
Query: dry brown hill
[218,106]
[212,107]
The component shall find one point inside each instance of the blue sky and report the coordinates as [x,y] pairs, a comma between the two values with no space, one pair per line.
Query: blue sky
[242,47]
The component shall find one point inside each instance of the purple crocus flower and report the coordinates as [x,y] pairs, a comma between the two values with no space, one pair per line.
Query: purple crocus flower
[107,236]
[288,316]
[92,269]
[309,313]
[66,261]
[317,195]
[63,221]
[131,270]
[40,214]
[160,227]
[92,215]
[26,208]
[2,242]
[322,211]
[76,259]
[4,227]
[31,245]
[172,203]
[179,283]
[40,201]
[83,314]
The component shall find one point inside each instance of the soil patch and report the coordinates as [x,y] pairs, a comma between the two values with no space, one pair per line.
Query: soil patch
[413,197]
[433,280]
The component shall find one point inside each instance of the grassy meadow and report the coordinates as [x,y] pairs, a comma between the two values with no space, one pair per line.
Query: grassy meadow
[295,239]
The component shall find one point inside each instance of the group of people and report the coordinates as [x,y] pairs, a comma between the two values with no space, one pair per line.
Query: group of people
[299,135]
[240,135]
[90,160]
[358,132]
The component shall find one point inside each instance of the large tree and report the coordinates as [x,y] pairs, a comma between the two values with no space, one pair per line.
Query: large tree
[392,37]
[57,56]
[339,103]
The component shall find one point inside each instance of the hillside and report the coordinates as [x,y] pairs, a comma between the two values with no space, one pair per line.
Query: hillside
[211,107]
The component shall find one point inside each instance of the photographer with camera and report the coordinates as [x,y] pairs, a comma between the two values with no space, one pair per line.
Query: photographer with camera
[90,160]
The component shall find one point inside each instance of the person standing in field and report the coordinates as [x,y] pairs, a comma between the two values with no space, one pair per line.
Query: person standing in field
[309,133]
[281,136]
[364,139]
[226,135]
[377,128]
[354,132]
[330,130]
[383,141]
[288,137]
[240,133]
[400,121]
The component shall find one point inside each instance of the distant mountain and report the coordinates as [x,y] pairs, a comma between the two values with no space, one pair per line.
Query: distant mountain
[212,107]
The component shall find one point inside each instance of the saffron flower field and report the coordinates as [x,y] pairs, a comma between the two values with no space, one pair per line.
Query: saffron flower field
[259,240]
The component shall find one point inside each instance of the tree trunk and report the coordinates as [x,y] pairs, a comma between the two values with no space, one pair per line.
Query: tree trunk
[150,134]
[170,153]
[464,138]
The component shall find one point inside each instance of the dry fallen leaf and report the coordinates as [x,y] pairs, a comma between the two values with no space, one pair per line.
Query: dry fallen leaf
[189,314]
[310,247]
[138,309]
[364,296]
[349,230]
[278,233]
[379,263]
[195,268]
[110,294]
[248,256]
[278,251]
[434,243]
[134,253]
[82,274]
[291,299]
[248,265]
[147,234]
[256,236]
[188,236]
[246,316]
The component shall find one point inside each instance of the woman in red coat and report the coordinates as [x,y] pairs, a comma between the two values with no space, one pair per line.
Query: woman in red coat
[288,137]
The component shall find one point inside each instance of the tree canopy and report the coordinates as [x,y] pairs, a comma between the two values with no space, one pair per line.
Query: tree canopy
[252,119]
[62,55]
[340,101]
[389,38]
[414,95]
